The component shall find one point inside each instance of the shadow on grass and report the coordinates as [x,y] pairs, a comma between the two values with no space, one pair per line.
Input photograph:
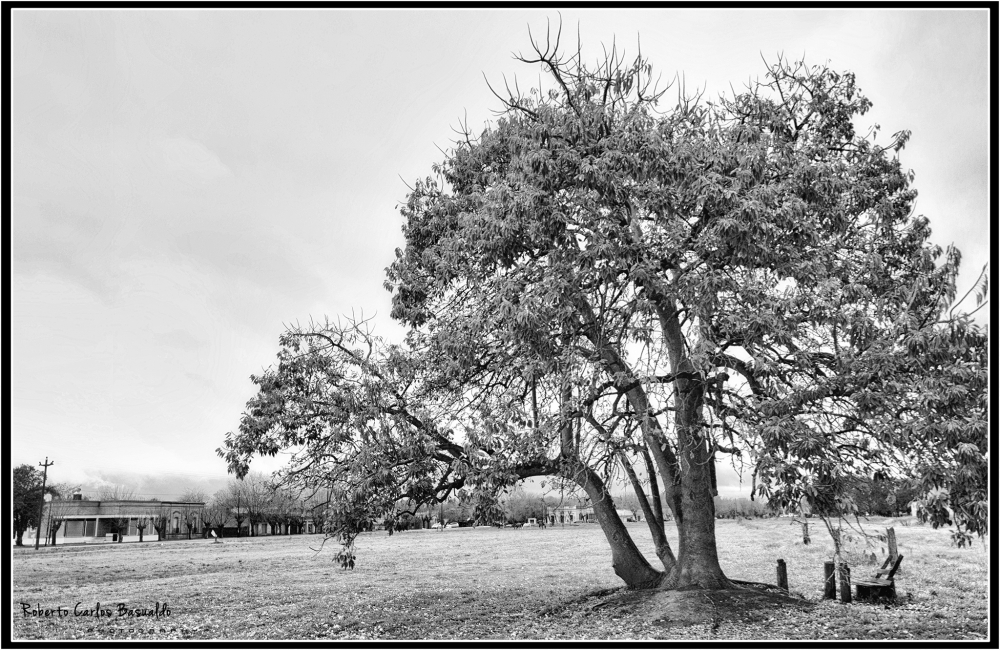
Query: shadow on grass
[749,603]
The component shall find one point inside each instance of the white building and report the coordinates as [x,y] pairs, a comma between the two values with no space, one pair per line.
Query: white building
[582,514]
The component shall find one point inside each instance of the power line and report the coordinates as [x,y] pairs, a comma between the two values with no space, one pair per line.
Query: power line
[113,472]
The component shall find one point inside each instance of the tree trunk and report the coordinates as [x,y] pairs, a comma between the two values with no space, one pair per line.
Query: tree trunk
[20,536]
[687,481]
[654,487]
[687,486]
[697,556]
[660,543]
[140,534]
[628,563]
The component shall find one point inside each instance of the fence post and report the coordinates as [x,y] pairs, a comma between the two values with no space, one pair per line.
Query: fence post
[782,575]
[845,583]
[829,583]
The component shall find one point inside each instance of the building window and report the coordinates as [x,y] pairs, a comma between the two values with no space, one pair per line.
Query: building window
[74,528]
[106,527]
[177,523]
[80,528]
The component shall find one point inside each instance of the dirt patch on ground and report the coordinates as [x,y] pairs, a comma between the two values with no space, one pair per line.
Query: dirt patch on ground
[747,604]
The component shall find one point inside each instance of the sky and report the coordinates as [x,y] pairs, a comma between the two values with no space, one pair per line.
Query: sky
[184,183]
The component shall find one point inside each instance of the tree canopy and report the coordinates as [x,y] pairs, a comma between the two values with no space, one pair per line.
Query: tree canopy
[597,288]
[27,499]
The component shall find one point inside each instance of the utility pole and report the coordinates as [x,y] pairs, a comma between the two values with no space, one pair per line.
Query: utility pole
[41,507]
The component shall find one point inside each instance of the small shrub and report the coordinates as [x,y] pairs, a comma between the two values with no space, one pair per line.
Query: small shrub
[346,557]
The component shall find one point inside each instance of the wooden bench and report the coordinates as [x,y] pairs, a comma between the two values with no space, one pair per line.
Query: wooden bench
[879,588]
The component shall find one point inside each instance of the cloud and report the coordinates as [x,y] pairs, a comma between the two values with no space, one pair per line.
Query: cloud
[68,241]
[179,339]
[163,486]
[730,483]
[250,269]
[192,159]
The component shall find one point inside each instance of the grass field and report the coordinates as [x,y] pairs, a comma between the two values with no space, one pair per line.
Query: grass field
[481,583]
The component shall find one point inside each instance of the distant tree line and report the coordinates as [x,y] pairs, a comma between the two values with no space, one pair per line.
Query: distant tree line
[259,502]
[741,507]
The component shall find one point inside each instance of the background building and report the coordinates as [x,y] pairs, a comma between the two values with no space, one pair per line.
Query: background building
[581,514]
[78,520]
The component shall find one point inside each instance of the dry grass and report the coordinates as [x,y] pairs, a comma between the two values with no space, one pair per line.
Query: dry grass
[479,583]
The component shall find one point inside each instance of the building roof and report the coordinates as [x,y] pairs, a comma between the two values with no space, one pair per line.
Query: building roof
[110,508]
[132,502]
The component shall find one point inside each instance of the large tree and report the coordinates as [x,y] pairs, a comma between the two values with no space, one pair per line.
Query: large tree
[27,493]
[593,284]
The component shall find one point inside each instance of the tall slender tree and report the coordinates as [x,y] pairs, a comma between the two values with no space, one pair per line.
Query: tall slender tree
[142,521]
[216,512]
[159,519]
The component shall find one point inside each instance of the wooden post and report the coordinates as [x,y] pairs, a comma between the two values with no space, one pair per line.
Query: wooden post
[890,535]
[845,583]
[41,504]
[782,575]
[829,583]
[805,532]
